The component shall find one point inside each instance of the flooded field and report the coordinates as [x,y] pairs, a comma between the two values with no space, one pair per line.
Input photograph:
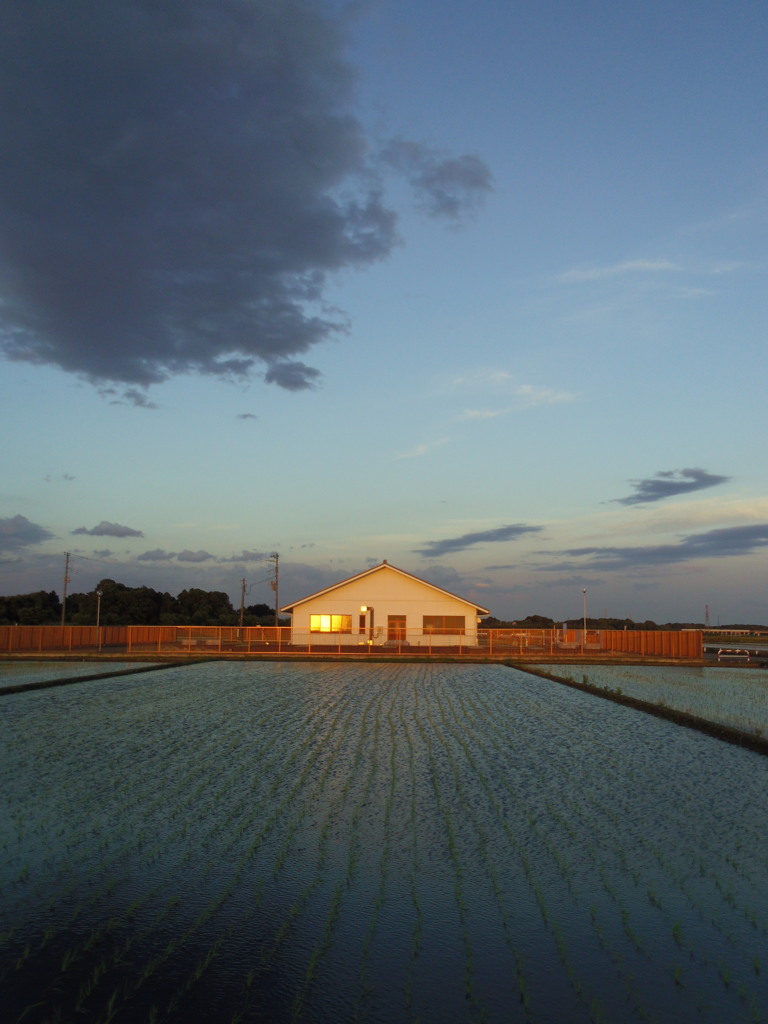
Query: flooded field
[736,697]
[14,673]
[331,842]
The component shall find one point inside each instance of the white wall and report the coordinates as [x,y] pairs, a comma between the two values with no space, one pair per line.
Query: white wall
[388,593]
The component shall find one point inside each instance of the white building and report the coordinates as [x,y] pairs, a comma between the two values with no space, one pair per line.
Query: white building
[384,606]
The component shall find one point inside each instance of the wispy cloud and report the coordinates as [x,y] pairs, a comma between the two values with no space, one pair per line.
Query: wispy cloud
[619,269]
[722,543]
[425,448]
[484,414]
[529,396]
[436,548]
[511,395]
[481,380]
[668,483]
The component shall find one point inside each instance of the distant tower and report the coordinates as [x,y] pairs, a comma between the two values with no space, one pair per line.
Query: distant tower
[706,616]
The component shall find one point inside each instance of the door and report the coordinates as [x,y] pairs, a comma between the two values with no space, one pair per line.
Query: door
[396,628]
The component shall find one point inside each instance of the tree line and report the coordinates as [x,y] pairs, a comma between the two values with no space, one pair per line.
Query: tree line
[121,605]
[142,606]
[543,622]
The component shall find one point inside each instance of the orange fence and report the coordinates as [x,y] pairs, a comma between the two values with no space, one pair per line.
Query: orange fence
[256,640]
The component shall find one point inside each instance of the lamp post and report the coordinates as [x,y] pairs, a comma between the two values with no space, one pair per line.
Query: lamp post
[584,616]
[98,618]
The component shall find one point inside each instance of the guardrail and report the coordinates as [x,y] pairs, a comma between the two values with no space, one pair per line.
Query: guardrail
[733,654]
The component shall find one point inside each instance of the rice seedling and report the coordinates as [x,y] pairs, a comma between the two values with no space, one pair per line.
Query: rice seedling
[544,813]
[722,695]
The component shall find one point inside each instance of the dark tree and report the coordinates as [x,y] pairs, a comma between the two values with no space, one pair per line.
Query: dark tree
[206,608]
[39,609]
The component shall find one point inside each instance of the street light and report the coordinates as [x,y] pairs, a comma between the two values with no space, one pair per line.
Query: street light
[584,615]
[98,607]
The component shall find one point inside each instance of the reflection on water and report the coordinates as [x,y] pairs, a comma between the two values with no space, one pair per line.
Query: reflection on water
[428,843]
[14,673]
[736,697]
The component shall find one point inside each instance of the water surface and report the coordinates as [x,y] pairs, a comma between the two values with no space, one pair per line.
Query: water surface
[430,843]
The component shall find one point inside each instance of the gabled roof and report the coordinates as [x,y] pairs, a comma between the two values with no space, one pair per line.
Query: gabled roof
[369,572]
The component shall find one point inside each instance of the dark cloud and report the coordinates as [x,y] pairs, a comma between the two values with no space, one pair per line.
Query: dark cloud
[671,482]
[18,532]
[248,556]
[105,529]
[130,396]
[157,555]
[246,416]
[436,548]
[195,556]
[446,578]
[723,543]
[161,555]
[444,186]
[295,376]
[177,180]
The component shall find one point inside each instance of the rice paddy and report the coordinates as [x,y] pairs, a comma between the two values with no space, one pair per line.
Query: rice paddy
[734,697]
[418,843]
[13,673]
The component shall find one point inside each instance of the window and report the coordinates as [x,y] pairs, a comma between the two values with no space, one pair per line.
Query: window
[444,625]
[330,623]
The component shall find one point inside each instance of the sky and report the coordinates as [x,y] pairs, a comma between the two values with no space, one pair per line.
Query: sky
[477,289]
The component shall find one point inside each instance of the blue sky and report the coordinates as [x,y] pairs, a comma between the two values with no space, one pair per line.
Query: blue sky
[479,290]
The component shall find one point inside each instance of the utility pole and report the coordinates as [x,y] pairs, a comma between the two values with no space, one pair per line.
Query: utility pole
[242,602]
[274,584]
[66,581]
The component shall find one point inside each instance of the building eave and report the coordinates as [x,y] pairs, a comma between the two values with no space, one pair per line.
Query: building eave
[377,568]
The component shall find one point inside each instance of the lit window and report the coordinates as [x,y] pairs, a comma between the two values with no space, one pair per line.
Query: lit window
[330,623]
[444,625]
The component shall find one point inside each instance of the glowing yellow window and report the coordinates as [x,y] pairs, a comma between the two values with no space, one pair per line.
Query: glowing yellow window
[330,623]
